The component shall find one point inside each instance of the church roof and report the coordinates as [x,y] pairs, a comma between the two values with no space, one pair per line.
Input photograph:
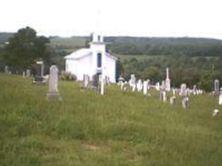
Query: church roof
[84,52]
[79,53]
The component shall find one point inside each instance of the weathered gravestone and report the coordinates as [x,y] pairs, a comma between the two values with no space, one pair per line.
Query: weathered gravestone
[194,90]
[145,87]
[185,102]
[28,73]
[172,100]
[85,81]
[167,81]
[38,78]
[215,113]
[183,90]
[163,85]
[139,85]
[95,82]
[163,95]
[23,74]
[216,87]
[220,99]
[53,92]
[6,70]
[102,85]
[157,86]
[132,82]
[174,92]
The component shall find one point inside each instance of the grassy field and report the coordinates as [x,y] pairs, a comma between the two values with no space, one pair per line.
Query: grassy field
[86,129]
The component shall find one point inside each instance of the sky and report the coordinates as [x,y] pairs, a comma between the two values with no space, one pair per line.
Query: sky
[150,18]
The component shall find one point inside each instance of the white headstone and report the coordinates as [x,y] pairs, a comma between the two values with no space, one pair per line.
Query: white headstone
[172,100]
[139,85]
[215,112]
[85,81]
[28,73]
[183,90]
[216,87]
[53,82]
[164,96]
[157,86]
[23,74]
[220,99]
[167,81]
[6,70]
[185,101]
[102,85]
[145,87]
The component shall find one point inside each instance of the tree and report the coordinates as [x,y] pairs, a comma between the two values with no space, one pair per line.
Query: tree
[152,73]
[25,47]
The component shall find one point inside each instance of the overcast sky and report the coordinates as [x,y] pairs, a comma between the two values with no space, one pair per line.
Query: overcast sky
[193,18]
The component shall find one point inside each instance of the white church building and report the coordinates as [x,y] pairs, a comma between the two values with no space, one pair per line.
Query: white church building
[91,61]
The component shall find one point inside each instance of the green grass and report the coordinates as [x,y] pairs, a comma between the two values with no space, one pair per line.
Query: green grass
[116,129]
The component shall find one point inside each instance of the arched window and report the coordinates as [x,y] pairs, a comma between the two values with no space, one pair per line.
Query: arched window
[99,60]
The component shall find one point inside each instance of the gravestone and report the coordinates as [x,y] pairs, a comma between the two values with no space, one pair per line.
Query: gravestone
[102,85]
[23,74]
[167,81]
[183,90]
[145,87]
[220,99]
[53,92]
[6,70]
[95,82]
[38,78]
[163,86]
[28,73]
[172,100]
[157,86]
[85,81]
[194,90]
[148,84]
[174,92]
[216,87]
[185,101]
[132,82]
[139,85]
[164,96]
[215,113]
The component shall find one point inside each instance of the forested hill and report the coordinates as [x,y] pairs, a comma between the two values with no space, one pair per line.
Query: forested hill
[149,46]
[141,45]
[165,46]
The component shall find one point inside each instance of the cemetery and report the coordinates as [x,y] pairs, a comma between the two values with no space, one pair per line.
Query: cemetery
[125,99]
[129,123]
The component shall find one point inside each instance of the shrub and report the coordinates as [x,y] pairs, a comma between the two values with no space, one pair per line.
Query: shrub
[68,76]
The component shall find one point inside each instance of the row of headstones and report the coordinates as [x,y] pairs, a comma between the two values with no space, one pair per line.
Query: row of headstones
[26,73]
[133,85]
[184,102]
[98,83]
[145,86]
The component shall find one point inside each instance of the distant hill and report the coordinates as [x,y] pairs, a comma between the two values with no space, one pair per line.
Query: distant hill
[125,45]
[148,46]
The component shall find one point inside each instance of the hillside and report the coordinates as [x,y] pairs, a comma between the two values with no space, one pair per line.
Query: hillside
[140,45]
[116,129]
[149,46]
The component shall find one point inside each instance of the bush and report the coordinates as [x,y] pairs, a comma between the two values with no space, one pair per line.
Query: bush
[68,76]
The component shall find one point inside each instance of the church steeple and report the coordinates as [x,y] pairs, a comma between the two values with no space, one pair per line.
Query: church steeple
[97,38]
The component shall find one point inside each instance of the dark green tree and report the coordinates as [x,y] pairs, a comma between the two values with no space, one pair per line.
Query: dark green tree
[25,47]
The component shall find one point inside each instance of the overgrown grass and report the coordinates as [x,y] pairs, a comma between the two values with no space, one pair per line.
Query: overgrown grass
[116,129]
